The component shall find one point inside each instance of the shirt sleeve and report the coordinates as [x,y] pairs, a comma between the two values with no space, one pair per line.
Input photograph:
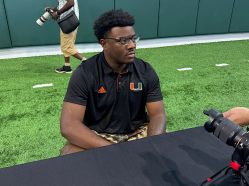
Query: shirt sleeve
[77,91]
[154,90]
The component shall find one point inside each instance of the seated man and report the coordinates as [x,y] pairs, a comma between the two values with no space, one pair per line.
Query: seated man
[108,95]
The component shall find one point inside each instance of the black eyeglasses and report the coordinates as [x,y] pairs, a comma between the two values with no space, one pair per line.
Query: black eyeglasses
[125,40]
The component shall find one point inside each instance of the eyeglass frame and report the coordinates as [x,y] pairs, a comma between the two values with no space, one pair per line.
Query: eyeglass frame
[125,40]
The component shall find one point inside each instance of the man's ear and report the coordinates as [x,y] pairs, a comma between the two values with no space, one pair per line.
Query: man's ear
[102,42]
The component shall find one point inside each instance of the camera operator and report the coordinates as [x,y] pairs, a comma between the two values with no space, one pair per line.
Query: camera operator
[67,41]
[239,115]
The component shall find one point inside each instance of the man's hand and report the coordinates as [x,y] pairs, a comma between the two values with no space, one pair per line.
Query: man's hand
[239,115]
[54,15]
[48,9]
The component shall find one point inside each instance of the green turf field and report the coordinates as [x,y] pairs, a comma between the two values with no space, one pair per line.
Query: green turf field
[29,118]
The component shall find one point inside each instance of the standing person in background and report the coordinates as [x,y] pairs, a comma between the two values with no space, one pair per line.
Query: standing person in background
[67,41]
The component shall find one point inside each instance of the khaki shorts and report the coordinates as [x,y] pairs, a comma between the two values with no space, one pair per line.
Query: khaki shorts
[67,43]
[141,132]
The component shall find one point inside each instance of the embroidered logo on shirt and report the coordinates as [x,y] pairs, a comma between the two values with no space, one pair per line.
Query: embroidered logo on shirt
[101,90]
[138,88]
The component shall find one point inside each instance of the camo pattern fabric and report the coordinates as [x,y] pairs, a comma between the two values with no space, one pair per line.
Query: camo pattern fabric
[141,132]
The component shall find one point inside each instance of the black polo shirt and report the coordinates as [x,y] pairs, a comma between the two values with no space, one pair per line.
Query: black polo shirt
[115,103]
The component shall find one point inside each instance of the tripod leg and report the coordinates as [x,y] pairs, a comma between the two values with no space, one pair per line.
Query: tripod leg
[216,176]
[244,179]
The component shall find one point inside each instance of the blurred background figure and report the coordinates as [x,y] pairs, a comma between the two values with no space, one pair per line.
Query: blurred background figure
[67,41]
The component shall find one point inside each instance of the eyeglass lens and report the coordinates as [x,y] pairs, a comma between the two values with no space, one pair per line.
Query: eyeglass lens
[125,40]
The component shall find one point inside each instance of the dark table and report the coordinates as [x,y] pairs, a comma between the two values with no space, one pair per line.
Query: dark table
[184,157]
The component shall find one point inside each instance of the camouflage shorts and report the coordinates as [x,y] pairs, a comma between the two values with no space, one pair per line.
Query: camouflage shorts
[141,132]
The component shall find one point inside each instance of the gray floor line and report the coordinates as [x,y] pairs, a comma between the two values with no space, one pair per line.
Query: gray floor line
[17,52]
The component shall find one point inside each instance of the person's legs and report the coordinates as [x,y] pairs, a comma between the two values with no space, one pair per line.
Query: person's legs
[68,49]
[76,54]
[70,148]
[79,57]
[141,132]
[67,61]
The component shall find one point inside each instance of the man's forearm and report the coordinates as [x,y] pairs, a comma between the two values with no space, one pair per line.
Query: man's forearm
[157,125]
[80,135]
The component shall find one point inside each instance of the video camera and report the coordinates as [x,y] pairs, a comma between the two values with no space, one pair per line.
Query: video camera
[233,135]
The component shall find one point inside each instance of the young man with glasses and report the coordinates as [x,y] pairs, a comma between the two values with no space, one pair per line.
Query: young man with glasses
[113,96]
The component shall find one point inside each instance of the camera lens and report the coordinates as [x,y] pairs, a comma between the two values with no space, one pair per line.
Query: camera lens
[43,18]
[224,129]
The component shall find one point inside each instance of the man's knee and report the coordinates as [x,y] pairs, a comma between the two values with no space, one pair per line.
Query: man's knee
[70,148]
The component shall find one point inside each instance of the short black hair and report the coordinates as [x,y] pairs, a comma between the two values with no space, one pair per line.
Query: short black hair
[111,19]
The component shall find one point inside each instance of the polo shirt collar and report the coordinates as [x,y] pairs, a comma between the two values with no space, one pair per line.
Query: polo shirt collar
[106,67]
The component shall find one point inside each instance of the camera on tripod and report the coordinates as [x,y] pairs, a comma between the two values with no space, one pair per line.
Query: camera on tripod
[47,14]
[233,135]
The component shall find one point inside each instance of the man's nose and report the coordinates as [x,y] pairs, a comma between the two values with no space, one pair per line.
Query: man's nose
[131,44]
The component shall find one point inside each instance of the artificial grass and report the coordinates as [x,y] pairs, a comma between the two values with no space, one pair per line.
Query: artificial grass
[188,93]
[29,118]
